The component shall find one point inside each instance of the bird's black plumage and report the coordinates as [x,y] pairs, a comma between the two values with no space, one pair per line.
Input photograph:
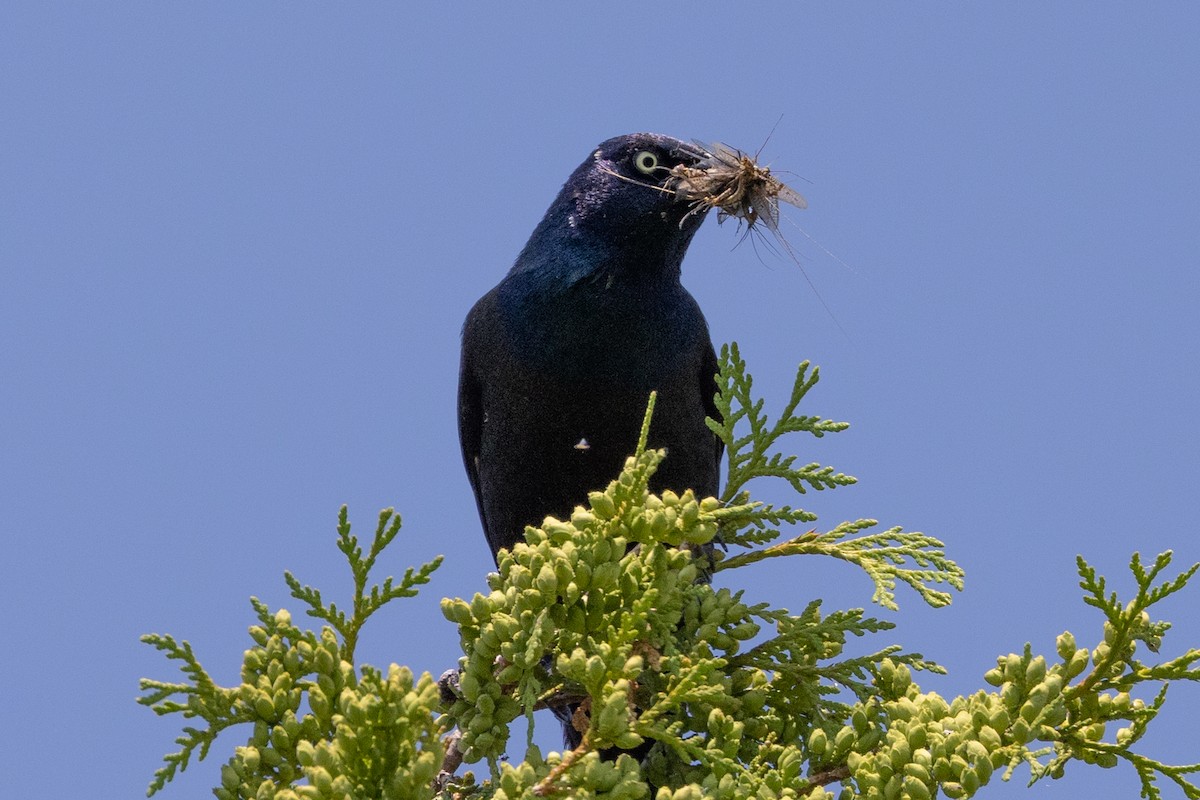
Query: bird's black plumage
[559,359]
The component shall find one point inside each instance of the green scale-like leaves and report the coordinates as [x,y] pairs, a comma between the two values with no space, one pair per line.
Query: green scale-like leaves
[609,612]
[319,727]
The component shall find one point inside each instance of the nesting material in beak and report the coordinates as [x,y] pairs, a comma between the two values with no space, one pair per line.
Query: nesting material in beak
[736,185]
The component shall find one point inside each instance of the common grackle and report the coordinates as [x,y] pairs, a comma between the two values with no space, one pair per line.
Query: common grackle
[559,359]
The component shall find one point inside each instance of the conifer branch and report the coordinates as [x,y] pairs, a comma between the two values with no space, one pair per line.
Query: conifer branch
[726,698]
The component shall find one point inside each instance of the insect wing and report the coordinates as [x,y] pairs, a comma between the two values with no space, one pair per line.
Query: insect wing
[790,196]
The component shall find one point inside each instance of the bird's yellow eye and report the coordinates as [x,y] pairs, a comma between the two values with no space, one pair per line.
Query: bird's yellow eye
[646,162]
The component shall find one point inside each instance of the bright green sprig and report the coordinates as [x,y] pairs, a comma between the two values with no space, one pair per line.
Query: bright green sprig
[364,604]
[1043,713]
[1104,693]
[313,719]
[804,649]
[217,706]
[750,455]
[884,556]
[888,557]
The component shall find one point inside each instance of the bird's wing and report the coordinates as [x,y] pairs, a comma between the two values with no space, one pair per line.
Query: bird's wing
[470,416]
[708,390]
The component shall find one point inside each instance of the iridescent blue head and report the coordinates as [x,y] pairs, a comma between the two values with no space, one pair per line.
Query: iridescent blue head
[617,216]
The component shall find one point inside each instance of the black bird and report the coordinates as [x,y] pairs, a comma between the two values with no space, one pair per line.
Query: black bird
[559,359]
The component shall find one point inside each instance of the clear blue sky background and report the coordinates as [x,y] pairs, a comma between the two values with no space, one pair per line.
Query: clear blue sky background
[237,241]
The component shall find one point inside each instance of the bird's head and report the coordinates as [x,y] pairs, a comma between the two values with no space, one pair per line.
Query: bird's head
[618,212]
[628,181]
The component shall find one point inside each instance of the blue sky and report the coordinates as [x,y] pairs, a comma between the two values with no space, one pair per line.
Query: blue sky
[237,242]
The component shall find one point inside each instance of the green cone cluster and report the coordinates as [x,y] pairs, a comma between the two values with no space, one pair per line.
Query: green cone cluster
[602,595]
